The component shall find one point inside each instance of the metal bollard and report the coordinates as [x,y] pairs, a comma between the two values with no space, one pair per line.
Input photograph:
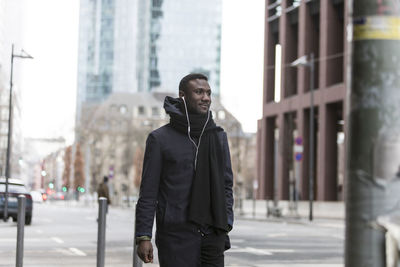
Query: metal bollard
[136,261]
[20,230]
[101,232]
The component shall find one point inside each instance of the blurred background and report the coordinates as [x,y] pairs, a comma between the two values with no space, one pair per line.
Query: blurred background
[83,105]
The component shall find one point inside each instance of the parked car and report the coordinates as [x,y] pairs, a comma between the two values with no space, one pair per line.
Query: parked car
[15,188]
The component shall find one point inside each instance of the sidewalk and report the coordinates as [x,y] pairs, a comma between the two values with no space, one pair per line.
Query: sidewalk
[257,210]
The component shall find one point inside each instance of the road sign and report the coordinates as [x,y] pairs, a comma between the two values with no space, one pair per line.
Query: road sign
[299,141]
[298,148]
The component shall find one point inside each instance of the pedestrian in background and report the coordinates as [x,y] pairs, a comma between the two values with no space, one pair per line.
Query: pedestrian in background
[187,182]
[103,191]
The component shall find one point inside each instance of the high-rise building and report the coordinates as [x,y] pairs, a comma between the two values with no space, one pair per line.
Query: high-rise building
[176,38]
[139,45]
[107,42]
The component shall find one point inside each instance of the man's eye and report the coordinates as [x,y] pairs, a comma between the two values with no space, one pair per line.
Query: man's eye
[199,92]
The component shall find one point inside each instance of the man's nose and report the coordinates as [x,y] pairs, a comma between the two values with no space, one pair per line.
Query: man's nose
[206,97]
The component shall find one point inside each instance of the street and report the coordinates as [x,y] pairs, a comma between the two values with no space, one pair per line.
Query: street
[64,234]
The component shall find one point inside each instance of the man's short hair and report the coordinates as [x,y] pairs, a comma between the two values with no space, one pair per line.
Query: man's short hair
[105,178]
[192,76]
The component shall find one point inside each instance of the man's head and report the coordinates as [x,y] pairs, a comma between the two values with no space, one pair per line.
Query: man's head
[197,92]
[105,179]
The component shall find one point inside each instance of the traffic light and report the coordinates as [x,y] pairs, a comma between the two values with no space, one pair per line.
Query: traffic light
[81,189]
[51,185]
[64,189]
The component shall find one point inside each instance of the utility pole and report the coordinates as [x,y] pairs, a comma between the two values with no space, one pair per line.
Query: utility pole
[22,55]
[310,63]
[373,133]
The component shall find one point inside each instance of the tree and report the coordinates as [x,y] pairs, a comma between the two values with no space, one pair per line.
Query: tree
[79,175]
[138,164]
[67,167]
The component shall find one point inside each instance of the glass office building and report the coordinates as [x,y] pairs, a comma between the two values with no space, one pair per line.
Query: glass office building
[179,37]
[107,54]
[143,45]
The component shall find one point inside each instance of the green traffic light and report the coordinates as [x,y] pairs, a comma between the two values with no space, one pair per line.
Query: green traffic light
[80,189]
[51,185]
[64,189]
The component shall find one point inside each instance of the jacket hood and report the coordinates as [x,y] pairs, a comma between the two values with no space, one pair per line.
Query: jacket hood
[173,106]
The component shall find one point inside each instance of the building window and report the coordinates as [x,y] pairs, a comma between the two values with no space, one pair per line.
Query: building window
[141,110]
[123,109]
[3,143]
[4,113]
[113,108]
[221,115]
[4,128]
[155,111]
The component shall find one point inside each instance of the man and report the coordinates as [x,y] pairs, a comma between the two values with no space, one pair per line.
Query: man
[187,182]
[102,190]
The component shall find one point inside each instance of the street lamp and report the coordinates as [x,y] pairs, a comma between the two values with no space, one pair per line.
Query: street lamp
[302,61]
[22,55]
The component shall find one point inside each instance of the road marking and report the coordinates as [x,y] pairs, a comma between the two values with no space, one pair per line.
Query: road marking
[251,251]
[44,220]
[26,240]
[338,237]
[64,251]
[237,240]
[77,252]
[278,235]
[331,225]
[57,240]
[300,265]
[260,252]
[38,231]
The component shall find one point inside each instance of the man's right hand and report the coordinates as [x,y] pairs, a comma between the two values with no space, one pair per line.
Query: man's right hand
[145,251]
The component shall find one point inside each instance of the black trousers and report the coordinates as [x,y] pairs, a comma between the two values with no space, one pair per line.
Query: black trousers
[189,247]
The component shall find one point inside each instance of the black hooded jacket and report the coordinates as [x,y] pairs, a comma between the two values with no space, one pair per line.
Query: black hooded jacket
[168,172]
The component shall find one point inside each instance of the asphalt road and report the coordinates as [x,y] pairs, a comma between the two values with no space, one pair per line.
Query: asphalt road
[66,235]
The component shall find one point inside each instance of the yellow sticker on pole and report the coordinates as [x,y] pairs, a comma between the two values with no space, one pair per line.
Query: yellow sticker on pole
[377,27]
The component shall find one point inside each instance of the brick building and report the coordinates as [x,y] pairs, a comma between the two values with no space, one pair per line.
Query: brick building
[302,28]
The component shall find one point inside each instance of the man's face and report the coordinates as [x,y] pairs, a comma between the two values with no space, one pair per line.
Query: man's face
[197,96]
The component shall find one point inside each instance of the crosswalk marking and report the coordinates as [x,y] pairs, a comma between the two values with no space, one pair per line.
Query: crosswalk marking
[256,251]
[64,251]
[77,252]
[300,265]
[57,240]
[277,235]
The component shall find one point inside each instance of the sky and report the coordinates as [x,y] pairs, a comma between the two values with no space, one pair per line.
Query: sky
[49,83]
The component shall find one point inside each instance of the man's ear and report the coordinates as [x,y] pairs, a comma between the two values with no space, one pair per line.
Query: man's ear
[181,94]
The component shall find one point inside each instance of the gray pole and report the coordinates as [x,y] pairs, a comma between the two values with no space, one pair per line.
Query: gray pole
[101,233]
[373,133]
[276,154]
[311,153]
[7,174]
[136,261]
[7,171]
[20,231]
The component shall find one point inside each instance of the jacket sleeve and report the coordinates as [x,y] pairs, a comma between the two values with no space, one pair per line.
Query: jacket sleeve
[228,180]
[146,206]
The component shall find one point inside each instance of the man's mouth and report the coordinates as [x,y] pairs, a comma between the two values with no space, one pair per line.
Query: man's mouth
[204,106]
